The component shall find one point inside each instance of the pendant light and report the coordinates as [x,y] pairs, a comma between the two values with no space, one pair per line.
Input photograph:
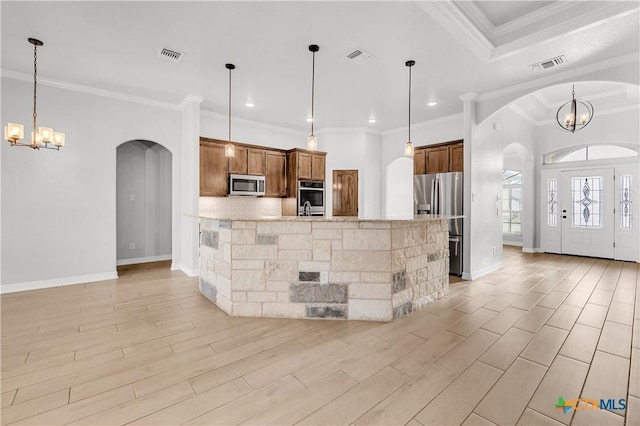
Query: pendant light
[408,147]
[312,141]
[13,132]
[229,148]
[572,119]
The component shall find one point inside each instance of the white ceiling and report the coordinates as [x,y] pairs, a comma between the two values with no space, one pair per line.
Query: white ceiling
[459,47]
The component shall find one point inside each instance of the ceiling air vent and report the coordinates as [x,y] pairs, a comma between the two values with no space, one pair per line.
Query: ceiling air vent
[359,56]
[169,55]
[549,63]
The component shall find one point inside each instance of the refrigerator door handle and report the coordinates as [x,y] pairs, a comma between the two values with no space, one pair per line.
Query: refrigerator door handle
[433,188]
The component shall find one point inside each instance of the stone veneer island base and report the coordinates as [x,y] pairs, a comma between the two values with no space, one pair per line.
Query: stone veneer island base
[376,270]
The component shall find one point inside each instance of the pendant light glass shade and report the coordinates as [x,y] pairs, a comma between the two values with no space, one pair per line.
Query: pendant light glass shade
[229,148]
[576,114]
[312,141]
[408,147]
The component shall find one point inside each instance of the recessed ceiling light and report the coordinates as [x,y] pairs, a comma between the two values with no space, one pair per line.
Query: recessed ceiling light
[249,105]
[432,103]
[372,120]
[309,119]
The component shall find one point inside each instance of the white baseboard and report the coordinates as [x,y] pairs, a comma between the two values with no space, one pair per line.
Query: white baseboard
[512,243]
[188,271]
[57,282]
[530,250]
[474,275]
[147,259]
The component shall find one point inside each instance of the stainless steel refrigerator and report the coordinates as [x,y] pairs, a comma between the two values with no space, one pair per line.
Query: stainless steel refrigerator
[441,193]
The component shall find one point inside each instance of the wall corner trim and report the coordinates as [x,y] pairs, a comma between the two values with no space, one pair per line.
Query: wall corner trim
[57,282]
[474,275]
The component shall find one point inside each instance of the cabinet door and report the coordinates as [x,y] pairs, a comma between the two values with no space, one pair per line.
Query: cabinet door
[304,166]
[238,163]
[419,162]
[456,157]
[317,167]
[213,171]
[345,193]
[275,176]
[256,162]
[437,159]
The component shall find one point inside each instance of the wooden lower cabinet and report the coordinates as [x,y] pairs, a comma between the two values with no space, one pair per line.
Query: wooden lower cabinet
[275,176]
[345,193]
[214,181]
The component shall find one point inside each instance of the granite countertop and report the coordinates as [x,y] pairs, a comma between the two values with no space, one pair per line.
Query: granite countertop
[421,217]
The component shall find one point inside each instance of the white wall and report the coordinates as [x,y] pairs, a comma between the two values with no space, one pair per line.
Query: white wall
[58,208]
[144,174]
[353,149]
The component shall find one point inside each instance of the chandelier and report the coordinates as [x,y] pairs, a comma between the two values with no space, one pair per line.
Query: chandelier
[575,114]
[229,148]
[312,140]
[14,132]
[408,147]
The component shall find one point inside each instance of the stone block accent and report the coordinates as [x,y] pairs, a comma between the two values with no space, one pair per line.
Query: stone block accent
[369,291]
[309,276]
[248,280]
[283,310]
[285,227]
[225,235]
[326,311]
[322,250]
[247,309]
[261,296]
[208,290]
[243,236]
[223,268]
[279,286]
[266,239]
[225,224]
[366,239]
[224,304]
[376,277]
[223,286]
[375,225]
[318,293]
[283,297]
[402,310]
[398,260]
[294,254]
[241,224]
[361,260]
[253,252]
[326,234]
[399,281]
[313,266]
[210,239]
[248,264]
[370,310]
[336,245]
[239,296]
[402,297]
[294,241]
[281,270]
[344,277]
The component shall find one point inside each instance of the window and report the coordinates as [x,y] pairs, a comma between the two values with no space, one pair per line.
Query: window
[552,202]
[586,194]
[589,152]
[626,205]
[511,202]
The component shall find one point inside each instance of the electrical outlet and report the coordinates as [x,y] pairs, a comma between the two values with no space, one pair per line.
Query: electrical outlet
[132,246]
[493,250]
[132,197]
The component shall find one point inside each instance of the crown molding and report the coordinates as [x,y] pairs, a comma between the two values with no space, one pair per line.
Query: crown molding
[335,130]
[470,96]
[555,78]
[259,124]
[447,118]
[190,99]
[533,17]
[89,90]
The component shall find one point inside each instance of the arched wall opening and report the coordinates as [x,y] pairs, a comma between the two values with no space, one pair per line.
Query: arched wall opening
[143,203]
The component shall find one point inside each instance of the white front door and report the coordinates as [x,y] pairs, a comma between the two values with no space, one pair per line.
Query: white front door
[587,212]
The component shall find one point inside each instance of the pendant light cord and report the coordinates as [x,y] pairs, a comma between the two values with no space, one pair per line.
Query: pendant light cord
[35,85]
[229,104]
[409,140]
[313,85]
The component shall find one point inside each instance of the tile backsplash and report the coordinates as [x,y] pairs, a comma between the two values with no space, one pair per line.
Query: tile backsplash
[240,207]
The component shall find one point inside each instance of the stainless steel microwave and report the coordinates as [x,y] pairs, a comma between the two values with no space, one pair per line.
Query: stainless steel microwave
[246,185]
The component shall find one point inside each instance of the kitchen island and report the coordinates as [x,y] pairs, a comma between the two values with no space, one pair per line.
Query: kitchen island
[306,267]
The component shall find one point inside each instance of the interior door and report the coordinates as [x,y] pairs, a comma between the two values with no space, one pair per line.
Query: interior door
[345,193]
[587,212]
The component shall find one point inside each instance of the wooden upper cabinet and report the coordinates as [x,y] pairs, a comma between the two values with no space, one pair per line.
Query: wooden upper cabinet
[419,162]
[276,180]
[456,157]
[256,162]
[304,166]
[317,167]
[238,163]
[214,180]
[437,159]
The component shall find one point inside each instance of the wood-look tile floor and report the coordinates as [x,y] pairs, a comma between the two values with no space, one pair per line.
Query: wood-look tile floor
[149,349]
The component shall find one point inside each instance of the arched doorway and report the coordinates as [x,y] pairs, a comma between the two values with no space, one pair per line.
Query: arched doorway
[143,203]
